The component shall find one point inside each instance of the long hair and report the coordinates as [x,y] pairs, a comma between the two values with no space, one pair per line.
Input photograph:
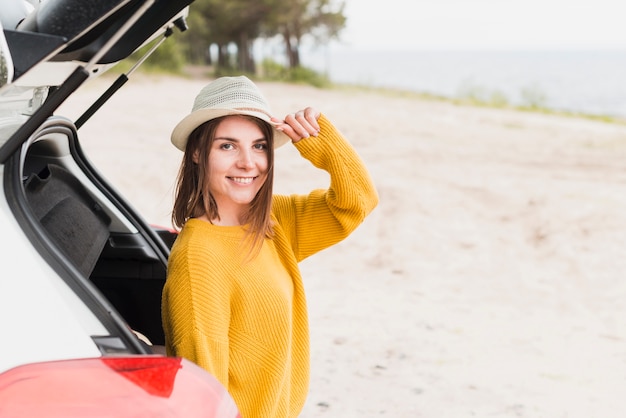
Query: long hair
[193,197]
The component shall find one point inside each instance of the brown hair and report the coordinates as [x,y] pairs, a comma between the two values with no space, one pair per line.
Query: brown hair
[192,195]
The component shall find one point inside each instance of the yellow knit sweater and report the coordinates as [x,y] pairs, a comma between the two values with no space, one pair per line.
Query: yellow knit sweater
[245,321]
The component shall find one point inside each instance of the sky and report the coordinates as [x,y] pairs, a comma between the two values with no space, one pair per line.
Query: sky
[484,24]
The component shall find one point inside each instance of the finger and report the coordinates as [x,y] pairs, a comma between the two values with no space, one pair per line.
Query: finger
[301,123]
[288,130]
[312,115]
[295,122]
[283,126]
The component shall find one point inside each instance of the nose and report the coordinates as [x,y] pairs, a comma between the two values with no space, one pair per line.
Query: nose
[246,159]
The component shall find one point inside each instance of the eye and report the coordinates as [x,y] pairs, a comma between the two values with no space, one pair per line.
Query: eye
[227,146]
[261,146]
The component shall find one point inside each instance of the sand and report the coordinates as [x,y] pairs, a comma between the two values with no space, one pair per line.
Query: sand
[489,282]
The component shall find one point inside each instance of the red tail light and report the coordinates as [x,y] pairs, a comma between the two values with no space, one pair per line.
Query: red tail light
[140,386]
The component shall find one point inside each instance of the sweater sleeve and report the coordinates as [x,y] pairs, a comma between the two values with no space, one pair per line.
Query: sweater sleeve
[322,218]
[195,310]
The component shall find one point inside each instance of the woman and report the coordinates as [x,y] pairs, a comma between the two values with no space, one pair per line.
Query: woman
[234,300]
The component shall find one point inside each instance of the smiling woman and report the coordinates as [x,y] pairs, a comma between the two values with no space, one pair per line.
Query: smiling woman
[234,299]
[238,167]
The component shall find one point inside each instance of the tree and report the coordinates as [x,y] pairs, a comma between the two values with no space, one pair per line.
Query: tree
[323,20]
[240,22]
[226,23]
[195,39]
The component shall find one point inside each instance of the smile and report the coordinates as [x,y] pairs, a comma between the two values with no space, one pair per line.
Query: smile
[242,180]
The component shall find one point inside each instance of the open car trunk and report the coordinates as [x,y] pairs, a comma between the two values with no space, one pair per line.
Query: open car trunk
[88,233]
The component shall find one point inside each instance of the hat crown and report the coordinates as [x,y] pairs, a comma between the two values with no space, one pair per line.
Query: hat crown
[231,93]
[223,97]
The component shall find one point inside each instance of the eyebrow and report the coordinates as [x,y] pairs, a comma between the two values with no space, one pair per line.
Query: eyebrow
[227,138]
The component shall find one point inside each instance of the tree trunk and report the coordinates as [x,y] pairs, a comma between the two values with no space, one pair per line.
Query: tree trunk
[222,56]
[293,54]
[208,60]
[244,50]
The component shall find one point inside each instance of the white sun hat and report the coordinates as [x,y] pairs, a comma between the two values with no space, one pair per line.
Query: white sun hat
[222,97]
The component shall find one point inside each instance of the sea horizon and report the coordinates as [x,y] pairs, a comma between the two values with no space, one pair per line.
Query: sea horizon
[588,81]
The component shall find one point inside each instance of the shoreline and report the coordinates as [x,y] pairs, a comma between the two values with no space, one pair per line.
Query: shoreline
[478,103]
[197,72]
[581,81]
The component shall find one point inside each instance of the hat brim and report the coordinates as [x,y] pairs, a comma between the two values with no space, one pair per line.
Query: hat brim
[185,127]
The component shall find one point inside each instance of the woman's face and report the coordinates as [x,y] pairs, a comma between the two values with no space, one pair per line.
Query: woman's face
[238,165]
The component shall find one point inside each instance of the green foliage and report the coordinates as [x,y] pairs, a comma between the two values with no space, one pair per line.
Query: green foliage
[305,75]
[498,99]
[239,23]
[478,95]
[271,70]
[472,93]
[533,98]
[167,58]
[197,38]
[231,28]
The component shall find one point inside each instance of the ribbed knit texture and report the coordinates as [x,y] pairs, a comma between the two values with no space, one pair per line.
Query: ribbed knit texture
[245,321]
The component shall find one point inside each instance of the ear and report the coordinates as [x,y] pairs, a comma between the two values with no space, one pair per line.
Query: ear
[194,157]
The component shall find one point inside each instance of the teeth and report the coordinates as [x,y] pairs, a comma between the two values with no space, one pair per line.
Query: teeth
[242,180]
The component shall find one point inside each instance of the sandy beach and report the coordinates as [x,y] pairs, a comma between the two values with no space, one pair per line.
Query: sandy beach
[489,282]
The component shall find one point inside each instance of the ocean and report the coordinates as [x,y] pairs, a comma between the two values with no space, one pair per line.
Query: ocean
[590,82]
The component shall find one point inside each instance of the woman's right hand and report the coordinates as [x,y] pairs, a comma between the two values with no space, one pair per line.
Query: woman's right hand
[299,125]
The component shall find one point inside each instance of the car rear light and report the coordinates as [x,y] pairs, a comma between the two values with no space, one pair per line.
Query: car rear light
[138,386]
